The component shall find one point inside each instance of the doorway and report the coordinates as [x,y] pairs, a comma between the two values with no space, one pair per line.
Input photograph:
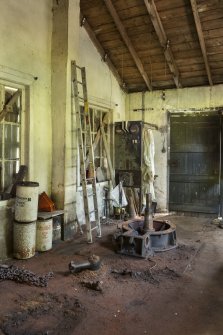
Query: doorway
[194,165]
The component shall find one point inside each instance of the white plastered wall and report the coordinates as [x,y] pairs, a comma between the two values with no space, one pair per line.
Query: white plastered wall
[157,105]
[26,28]
[103,88]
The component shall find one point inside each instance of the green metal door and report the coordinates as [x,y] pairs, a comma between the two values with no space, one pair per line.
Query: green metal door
[194,163]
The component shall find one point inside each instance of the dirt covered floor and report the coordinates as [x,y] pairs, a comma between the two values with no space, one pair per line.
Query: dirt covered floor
[178,292]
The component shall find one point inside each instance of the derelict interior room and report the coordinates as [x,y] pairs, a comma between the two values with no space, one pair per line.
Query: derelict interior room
[111,192]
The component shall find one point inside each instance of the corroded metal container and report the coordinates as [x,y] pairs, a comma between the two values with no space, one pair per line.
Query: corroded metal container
[26,204]
[44,235]
[6,226]
[24,240]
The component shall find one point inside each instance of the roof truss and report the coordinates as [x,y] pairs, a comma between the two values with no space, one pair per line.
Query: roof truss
[128,42]
[165,43]
[201,39]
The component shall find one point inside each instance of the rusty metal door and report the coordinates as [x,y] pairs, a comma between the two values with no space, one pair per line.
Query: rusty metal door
[194,163]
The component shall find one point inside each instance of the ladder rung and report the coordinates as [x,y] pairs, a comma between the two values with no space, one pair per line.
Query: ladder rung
[79,67]
[91,195]
[93,211]
[85,145]
[96,227]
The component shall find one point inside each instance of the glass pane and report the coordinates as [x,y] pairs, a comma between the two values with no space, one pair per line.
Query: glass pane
[11,168]
[1,126]
[11,141]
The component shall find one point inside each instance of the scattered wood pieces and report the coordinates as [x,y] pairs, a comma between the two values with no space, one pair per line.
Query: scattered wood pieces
[92,285]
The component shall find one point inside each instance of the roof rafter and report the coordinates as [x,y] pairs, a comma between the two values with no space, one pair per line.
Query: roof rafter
[165,43]
[103,54]
[201,39]
[128,42]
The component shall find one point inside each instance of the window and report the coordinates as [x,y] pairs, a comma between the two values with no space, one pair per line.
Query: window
[10,137]
[98,117]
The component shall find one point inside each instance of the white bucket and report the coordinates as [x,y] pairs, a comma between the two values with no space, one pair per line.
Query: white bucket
[44,235]
[24,240]
[26,204]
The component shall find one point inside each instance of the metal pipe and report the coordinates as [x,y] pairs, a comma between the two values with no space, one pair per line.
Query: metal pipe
[148,218]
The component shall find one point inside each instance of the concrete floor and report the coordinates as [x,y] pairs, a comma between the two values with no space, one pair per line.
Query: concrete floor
[177,293]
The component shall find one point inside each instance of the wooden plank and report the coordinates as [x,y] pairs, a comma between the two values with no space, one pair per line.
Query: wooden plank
[111,170]
[215,50]
[194,53]
[195,81]
[135,11]
[216,65]
[194,45]
[138,21]
[210,15]
[214,42]
[104,28]
[101,51]
[96,139]
[164,42]
[172,13]
[128,42]
[163,84]
[214,24]
[9,104]
[151,52]
[178,22]
[190,61]
[121,5]
[192,67]
[195,73]
[208,5]
[166,5]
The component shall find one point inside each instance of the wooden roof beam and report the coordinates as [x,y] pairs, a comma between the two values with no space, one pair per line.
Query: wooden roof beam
[103,54]
[201,39]
[165,43]
[128,42]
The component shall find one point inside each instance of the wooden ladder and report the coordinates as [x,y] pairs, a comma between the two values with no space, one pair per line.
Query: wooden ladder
[79,90]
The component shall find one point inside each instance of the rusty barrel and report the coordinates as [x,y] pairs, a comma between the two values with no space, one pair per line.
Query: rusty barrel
[44,234]
[24,239]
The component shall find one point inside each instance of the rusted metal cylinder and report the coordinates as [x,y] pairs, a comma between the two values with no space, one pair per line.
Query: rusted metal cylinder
[6,227]
[148,218]
[44,235]
[24,239]
[26,204]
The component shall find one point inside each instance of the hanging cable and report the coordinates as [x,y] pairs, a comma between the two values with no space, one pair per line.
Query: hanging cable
[220,165]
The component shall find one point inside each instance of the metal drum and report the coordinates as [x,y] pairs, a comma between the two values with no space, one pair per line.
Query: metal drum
[26,204]
[44,235]
[6,225]
[24,240]
[56,228]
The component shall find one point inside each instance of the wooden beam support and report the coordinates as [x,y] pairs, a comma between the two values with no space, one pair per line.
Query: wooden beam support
[9,104]
[165,43]
[201,39]
[103,54]
[128,42]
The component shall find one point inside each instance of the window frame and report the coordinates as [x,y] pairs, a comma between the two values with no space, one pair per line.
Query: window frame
[108,133]
[22,134]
